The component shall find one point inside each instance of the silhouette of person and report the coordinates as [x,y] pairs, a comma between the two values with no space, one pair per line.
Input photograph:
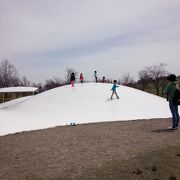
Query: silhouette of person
[170,92]
[72,79]
[81,78]
[103,79]
[95,76]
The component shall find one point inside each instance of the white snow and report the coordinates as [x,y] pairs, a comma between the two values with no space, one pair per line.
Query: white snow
[85,103]
[18,89]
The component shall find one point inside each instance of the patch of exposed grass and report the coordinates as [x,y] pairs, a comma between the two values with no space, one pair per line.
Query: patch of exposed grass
[156,165]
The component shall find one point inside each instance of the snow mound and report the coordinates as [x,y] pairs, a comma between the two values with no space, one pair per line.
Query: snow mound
[85,103]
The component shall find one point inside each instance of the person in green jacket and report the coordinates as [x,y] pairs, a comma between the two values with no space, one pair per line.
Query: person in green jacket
[170,92]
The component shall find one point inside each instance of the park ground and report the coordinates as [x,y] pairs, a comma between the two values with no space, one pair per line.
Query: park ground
[139,149]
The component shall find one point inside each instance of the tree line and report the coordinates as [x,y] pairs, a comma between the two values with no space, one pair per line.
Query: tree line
[151,78]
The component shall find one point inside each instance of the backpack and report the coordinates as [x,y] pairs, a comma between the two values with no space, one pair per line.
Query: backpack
[176,98]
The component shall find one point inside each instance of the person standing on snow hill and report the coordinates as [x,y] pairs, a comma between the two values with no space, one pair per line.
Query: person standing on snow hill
[103,80]
[95,75]
[72,79]
[170,92]
[81,78]
[114,90]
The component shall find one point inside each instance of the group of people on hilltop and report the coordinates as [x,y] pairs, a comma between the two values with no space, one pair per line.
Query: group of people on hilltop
[81,78]
[96,78]
[73,78]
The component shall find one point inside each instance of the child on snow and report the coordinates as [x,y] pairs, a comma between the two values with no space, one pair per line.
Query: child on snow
[72,79]
[95,75]
[81,78]
[114,90]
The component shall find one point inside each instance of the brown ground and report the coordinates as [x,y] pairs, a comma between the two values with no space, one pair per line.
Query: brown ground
[112,150]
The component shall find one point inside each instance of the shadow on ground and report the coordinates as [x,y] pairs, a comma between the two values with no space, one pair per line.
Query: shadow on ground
[163,130]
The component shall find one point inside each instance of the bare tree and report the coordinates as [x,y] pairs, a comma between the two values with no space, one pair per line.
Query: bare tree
[143,80]
[8,75]
[37,84]
[25,82]
[156,74]
[127,79]
[53,83]
[68,73]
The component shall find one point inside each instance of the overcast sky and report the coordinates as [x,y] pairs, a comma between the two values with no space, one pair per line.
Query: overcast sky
[43,37]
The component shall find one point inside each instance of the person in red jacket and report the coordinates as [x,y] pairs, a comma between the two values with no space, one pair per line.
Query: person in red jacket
[81,78]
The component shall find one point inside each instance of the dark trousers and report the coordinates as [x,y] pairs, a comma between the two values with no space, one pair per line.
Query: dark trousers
[175,114]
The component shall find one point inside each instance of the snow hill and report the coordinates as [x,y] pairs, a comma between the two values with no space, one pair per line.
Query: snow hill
[85,103]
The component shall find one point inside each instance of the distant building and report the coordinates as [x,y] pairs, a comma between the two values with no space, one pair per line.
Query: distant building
[10,93]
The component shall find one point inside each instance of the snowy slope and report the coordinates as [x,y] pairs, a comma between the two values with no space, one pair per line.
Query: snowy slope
[84,103]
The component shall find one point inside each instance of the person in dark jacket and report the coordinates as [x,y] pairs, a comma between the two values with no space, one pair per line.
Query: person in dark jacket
[72,79]
[95,76]
[170,92]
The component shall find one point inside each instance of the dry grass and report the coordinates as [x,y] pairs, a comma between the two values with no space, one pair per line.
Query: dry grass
[142,149]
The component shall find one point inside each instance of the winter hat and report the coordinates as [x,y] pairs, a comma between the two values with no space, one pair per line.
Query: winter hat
[171,77]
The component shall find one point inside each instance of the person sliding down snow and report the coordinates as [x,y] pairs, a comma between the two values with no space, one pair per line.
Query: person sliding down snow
[114,90]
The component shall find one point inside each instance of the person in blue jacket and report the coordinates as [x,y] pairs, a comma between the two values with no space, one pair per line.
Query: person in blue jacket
[113,89]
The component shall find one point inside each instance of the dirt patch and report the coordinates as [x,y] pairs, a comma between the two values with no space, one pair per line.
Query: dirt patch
[70,152]
[154,165]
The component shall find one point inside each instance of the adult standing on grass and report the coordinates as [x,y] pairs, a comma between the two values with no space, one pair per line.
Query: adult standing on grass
[95,76]
[72,79]
[114,90]
[170,92]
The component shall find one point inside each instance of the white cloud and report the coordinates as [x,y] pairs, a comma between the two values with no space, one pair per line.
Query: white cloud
[51,32]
